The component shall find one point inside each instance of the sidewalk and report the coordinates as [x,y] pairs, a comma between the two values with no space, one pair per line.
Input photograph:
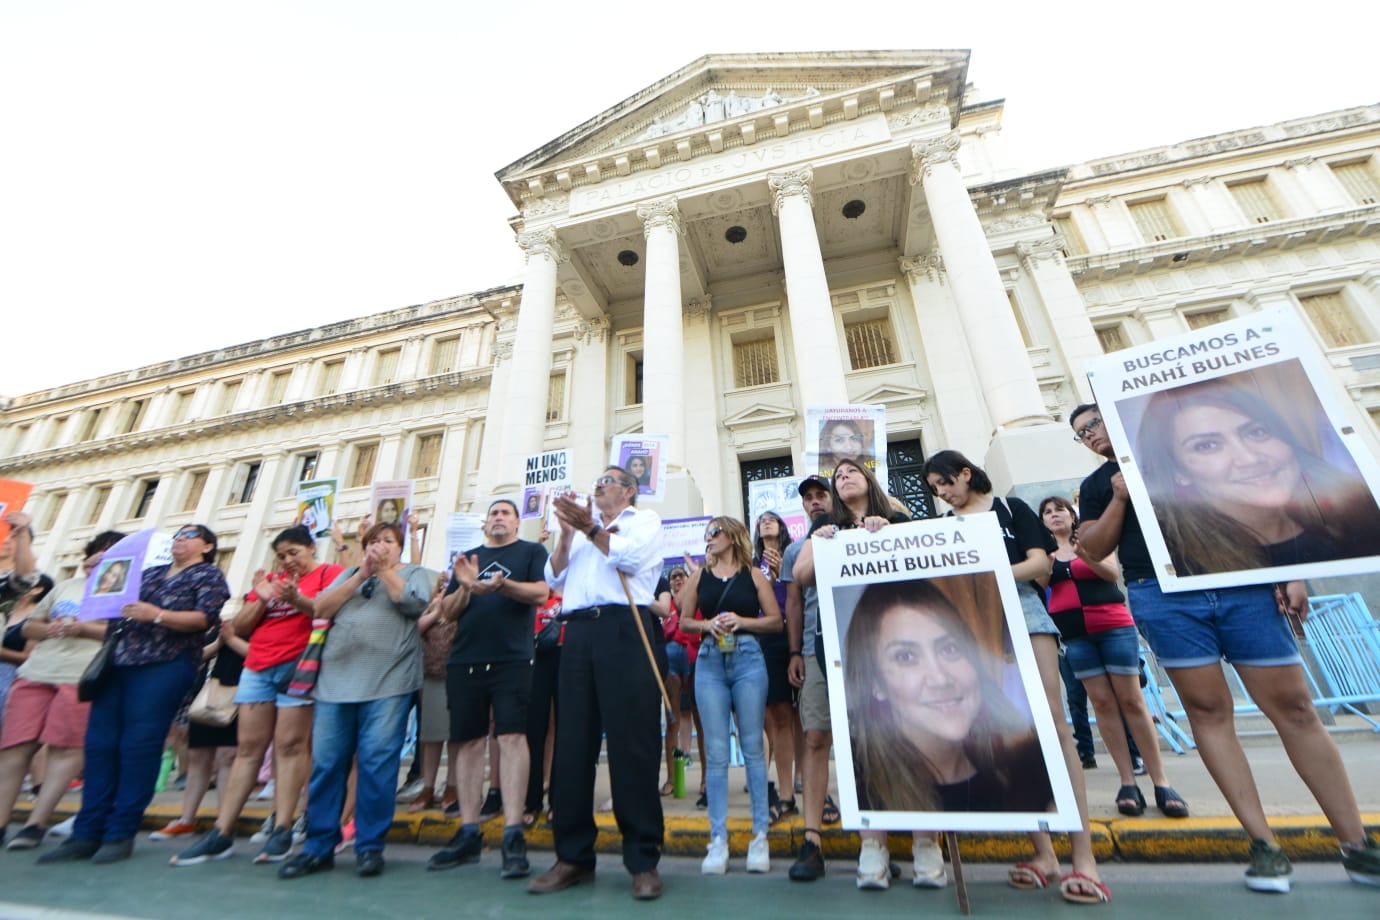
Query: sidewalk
[1212,834]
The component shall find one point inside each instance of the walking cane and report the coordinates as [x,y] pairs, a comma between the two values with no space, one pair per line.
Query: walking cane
[646,643]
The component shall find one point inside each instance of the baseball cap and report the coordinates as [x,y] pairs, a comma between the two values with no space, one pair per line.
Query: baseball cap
[813,481]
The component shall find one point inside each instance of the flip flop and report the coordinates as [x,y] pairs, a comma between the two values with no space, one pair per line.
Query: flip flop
[1077,888]
[667,789]
[1027,877]
[1170,802]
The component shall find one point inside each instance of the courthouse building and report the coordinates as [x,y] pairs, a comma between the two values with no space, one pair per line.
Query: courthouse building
[751,235]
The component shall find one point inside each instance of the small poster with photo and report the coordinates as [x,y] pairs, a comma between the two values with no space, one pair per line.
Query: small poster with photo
[464,530]
[644,457]
[117,578]
[933,682]
[13,495]
[391,503]
[316,505]
[681,537]
[857,433]
[1244,462]
[782,497]
[546,473]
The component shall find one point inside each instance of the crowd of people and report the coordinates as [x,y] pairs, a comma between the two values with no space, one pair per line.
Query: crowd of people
[534,655]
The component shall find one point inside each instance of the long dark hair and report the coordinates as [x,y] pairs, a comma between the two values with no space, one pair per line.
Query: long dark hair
[878,505]
[782,541]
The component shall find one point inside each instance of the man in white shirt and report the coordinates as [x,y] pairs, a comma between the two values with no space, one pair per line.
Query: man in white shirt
[606,683]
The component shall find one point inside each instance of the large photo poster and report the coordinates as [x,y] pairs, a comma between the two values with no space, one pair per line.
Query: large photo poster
[644,456]
[933,682]
[117,578]
[781,496]
[391,503]
[1243,463]
[834,433]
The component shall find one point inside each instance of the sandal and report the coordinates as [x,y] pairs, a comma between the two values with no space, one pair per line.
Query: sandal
[1078,888]
[831,814]
[783,810]
[425,801]
[1130,801]
[1027,877]
[667,788]
[1170,802]
[529,819]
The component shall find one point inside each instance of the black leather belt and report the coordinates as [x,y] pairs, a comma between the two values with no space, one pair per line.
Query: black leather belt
[592,613]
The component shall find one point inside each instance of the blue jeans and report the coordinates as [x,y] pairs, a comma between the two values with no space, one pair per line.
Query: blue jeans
[372,733]
[735,683]
[1190,629]
[124,746]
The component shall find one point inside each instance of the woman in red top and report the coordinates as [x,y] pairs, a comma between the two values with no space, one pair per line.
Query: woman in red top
[276,618]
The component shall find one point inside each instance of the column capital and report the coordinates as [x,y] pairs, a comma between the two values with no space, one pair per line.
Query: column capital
[697,309]
[1196,180]
[932,152]
[1298,162]
[929,266]
[543,243]
[503,351]
[1047,248]
[795,183]
[663,213]
[592,330]
[1098,200]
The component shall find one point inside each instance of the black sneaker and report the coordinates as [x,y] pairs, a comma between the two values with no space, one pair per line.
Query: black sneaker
[809,865]
[493,804]
[29,836]
[515,864]
[276,847]
[305,864]
[463,848]
[702,801]
[70,850]
[113,851]
[212,846]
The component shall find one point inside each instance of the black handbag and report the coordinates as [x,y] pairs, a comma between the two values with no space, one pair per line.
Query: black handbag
[96,677]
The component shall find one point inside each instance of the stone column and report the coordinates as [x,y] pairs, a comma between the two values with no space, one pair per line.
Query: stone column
[997,352]
[492,455]
[702,414]
[818,366]
[524,416]
[1068,315]
[957,403]
[449,484]
[663,331]
[589,400]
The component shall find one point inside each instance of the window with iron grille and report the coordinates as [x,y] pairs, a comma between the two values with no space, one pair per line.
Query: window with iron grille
[1154,219]
[870,342]
[444,355]
[555,398]
[905,461]
[1358,178]
[1255,201]
[277,387]
[426,460]
[758,470]
[1111,338]
[386,371]
[229,393]
[362,469]
[754,363]
[330,376]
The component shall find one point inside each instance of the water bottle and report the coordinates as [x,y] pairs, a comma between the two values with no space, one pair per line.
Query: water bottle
[165,769]
[678,776]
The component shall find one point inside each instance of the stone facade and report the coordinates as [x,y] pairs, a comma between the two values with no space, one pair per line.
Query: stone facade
[749,236]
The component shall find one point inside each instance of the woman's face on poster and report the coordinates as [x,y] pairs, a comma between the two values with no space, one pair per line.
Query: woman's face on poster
[637,466]
[1232,460]
[388,512]
[844,440]
[926,676]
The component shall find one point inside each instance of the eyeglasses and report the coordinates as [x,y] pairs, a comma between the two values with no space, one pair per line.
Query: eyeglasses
[843,440]
[712,532]
[1082,434]
[607,481]
[188,533]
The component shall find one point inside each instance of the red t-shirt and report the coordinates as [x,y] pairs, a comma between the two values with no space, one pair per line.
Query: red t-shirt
[282,633]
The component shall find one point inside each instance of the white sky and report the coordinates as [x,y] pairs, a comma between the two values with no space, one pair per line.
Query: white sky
[178,176]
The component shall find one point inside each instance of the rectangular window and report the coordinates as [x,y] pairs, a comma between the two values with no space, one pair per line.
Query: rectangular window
[754,363]
[362,465]
[90,423]
[555,398]
[224,559]
[277,387]
[1074,244]
[195,487]
[445,355]
[1333,319]
[1111,338]
[147,489]
[98,504]
[386,370]
[1207,317]
[247,480]
[870,342]
[1255,201]
[1154,219]
[229,395]
[426,460]
[306,466]
[55,433]
[1359,180]
[50,513]
[632,391]
[181,407]
[330,376]
[132,415]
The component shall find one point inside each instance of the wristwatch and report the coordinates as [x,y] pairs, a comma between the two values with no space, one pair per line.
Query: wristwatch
[594,528]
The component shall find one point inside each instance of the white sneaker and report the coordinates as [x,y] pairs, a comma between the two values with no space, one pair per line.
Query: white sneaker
[265,830]
[716,860]
[929,864]
[759,854]
[266,793]
[874,866]
[299,829]
[63,829]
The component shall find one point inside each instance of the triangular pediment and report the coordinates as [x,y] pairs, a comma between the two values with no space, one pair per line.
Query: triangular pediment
[890,394]
[727,90]
[757,414]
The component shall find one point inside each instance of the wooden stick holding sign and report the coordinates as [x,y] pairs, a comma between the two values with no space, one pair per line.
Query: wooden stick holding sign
[646,644]
[960,884]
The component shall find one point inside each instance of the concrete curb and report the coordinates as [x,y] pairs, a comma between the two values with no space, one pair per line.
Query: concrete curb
[1213,839]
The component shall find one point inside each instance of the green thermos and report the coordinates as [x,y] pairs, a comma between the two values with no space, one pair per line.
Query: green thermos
[678,780]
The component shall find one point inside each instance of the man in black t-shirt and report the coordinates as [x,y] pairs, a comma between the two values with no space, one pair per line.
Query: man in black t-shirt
[493,593]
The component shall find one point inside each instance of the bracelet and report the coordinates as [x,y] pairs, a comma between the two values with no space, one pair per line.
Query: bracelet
[593,530]
[795,654]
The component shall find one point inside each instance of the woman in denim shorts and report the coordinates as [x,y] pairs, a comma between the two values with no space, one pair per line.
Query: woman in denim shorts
[1103,648]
